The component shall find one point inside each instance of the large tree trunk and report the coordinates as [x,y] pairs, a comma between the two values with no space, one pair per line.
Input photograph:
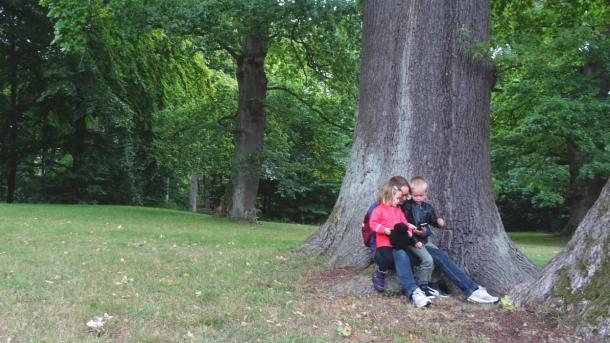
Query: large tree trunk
[579,277]
[424,110]
[240,196]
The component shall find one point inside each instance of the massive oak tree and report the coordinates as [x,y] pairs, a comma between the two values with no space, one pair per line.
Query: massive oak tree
[424,110]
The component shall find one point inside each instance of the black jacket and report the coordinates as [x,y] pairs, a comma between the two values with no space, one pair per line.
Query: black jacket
[428,215]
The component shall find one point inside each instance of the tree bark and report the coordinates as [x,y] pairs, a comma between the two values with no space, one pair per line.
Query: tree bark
[578,277]
[424,110]
[240,197]
[193,192]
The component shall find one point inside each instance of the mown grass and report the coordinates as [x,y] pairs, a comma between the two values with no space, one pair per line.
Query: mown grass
[539,247]
[171,276]
[163,275]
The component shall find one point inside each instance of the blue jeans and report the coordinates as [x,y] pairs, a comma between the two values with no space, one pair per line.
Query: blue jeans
[402,263]
[452,271]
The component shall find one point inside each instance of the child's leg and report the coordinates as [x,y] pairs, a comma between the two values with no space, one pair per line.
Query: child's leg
[452,271]
[424,270]
[437,273]
[384,260]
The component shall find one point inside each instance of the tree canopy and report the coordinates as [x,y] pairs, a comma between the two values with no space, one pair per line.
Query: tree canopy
[121,101]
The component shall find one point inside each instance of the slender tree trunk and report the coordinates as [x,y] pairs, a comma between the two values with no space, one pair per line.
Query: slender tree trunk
[193,192]
[206,193]
[579,277]
[78,148]
[240,196]
[424,110]
[583,192]
[11,170]
[167,182]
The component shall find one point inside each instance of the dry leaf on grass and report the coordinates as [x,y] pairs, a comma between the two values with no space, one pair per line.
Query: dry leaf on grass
[97,323]
[344,329]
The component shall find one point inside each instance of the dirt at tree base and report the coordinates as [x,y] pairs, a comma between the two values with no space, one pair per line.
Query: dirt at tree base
[335,297]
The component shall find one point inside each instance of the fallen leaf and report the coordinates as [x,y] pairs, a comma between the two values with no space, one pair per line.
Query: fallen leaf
[506,303]
[97,323]
[344,329]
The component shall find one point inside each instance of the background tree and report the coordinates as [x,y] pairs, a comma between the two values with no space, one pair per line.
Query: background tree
[24,39]
[423,110]
[577,278]
[246,30]
[127,103]
[550,118]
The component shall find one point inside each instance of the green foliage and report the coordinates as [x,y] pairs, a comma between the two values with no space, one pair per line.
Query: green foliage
[550,107]
[131,99]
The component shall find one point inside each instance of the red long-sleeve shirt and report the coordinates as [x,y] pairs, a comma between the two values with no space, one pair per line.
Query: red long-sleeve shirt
[385,216]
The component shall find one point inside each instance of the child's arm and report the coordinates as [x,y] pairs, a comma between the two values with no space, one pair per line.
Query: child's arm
[434,220]
[376,222]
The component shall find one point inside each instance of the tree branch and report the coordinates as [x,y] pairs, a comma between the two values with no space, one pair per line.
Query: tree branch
[323,116]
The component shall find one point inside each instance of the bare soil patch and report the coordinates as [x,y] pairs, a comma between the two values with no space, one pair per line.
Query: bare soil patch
[331,299]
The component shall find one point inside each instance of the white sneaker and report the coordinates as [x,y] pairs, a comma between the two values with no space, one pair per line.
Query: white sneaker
[481,296]
[419,298]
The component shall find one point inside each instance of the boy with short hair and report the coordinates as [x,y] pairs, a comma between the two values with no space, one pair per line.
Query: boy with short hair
[422,214]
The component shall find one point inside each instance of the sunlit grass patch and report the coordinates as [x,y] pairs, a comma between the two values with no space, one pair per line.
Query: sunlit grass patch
[538,246]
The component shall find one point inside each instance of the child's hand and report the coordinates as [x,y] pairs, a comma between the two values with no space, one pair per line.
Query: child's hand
[440,222]
[387,231]
[421,232]
[419,245]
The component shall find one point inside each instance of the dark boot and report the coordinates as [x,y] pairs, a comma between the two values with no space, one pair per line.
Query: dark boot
[379,280]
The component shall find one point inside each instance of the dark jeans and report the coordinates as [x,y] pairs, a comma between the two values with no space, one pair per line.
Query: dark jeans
[402,262]
[452,271]
[384,258]
[387,258]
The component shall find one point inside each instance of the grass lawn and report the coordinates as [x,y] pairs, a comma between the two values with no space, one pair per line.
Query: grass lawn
[171,276]
[163,275]
[539,247]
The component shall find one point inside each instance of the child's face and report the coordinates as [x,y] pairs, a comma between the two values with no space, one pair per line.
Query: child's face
[397,197]
[405,193]
[418,195]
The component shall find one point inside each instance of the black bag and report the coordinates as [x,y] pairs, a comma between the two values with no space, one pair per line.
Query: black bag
[399,237]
